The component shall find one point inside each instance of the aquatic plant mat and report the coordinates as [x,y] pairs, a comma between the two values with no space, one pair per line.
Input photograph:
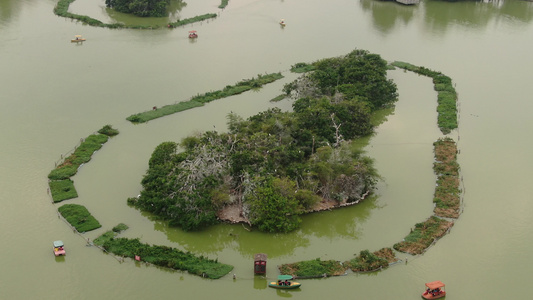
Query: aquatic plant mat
[447,192]
[368,262]
[364,262]
[313,268]
[192,20]
[446,95]
[61,187]
[79,217]
[162,256]
[200,100]
[423,235]
[62,190]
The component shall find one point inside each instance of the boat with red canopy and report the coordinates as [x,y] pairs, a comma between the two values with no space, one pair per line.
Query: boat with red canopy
[193,34]
[435,290]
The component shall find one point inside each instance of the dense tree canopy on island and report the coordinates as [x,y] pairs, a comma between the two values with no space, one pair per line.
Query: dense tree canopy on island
[276,165]
[141,8]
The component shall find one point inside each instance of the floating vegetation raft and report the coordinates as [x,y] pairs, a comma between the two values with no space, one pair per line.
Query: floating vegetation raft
[81,155]
[162,256]
[200,100]
[192,20]
[62,190]
[79,217]
[423,235]
[223,3]
[447,193]
[367,262]
[302,68]
[313,268]
[446,98]
[61,187]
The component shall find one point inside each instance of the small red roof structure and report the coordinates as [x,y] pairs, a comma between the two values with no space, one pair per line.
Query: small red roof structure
[260,260]
[435,284]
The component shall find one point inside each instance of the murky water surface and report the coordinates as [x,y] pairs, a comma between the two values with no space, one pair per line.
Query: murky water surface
[53,92]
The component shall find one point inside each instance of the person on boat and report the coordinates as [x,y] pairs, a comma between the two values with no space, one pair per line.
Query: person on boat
[287,283]
[279,282]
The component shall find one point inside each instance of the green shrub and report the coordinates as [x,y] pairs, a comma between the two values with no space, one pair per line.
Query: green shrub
[108,130]
[120,227]
[79,217]
[62,190]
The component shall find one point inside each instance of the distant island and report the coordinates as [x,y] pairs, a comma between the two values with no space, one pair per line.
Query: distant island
[271,168]
[140,8]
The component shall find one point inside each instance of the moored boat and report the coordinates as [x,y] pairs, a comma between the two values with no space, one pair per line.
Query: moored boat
[193,34]
[434,290]
[284,282]
[77,38]
[59,248]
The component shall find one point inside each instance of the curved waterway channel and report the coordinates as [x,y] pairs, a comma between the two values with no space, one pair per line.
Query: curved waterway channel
[54,92]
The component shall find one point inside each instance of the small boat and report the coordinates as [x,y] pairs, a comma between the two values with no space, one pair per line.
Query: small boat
[59,248]
[193,34]
[435,290]
[77,38]
[282,22]
[284,283]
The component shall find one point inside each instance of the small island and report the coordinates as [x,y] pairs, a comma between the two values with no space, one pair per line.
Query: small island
[269,169]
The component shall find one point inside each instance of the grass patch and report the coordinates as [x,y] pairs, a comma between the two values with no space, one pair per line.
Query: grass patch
[62,190]
[446,95]
[192,20]
[313,268]
[79,217]
[163,256]
[447,192]
[367,261]
[199,100]
[423,235]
